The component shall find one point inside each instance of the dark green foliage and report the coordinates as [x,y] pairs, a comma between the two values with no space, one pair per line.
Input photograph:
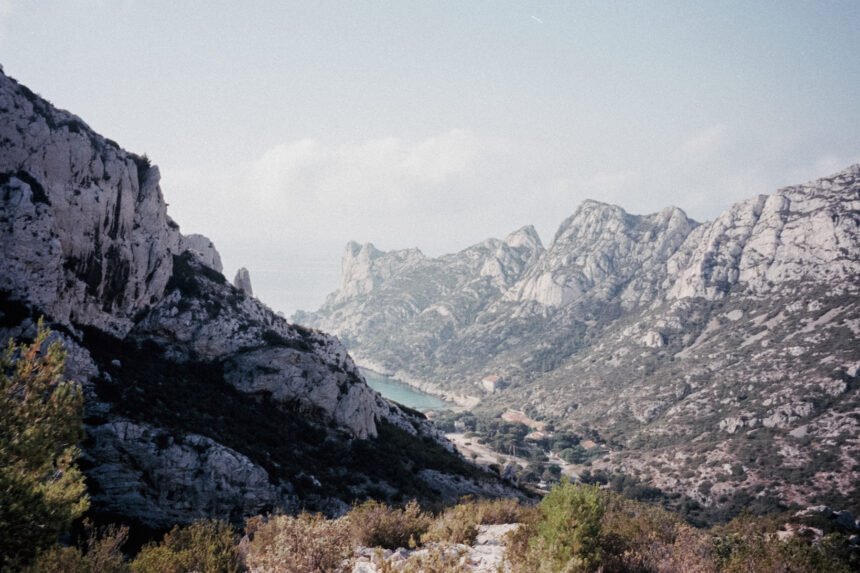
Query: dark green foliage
[41,490]
[99,552]
[410,411]
[396,456]
[748,544]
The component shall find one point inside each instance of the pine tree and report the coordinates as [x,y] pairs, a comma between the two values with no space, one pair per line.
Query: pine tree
[41,490]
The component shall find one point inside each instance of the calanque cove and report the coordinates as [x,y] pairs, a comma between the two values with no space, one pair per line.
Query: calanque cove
[642,393]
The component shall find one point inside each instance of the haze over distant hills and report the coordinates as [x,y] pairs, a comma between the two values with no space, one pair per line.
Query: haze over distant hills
[716,360]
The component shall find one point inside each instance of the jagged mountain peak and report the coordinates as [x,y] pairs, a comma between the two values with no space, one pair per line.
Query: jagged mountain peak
[527,237]
[801,232]
[204,249]
[590,217]
[594,220]
[598,250]
[839,181]
[354,249]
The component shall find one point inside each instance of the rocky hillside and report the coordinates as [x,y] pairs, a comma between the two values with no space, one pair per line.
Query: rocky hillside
[200,401]
[718,360]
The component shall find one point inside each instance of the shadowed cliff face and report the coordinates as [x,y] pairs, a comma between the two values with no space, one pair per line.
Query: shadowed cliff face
[201,401]
[691,348]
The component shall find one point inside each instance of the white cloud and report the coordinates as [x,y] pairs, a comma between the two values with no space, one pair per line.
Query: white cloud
[302,198]
[704,145]
[384,175]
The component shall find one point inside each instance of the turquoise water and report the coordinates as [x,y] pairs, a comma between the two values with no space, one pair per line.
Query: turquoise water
[403,393]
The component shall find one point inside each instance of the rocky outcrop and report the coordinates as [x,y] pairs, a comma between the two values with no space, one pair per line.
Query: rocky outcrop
[805,232]
[602,250]
[423,300]
[242,281]
[162,479]
[485,555]
[87,241]
[204,318]
[200,400]
[204,249]
[653,330]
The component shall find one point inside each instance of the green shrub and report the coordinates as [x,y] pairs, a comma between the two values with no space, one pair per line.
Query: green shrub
[304,544]
[42,492]
[204,546]
[566,536]
[374,524]
[747,543]
[59,558]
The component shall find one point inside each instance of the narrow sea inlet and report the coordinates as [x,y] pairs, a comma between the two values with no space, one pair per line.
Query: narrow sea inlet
[401,393]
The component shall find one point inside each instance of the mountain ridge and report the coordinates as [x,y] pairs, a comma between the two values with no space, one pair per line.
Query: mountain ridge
[656,329]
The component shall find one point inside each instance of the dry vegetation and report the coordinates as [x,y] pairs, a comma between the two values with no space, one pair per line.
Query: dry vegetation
[576,528]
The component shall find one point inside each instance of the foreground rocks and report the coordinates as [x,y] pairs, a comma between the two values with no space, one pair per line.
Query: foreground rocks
[486,555]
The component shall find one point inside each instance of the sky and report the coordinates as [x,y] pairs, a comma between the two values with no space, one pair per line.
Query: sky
[284,129]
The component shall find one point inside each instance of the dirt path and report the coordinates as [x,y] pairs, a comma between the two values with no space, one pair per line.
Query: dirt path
[485,455]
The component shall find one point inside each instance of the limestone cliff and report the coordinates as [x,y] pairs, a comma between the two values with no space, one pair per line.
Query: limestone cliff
[201,401]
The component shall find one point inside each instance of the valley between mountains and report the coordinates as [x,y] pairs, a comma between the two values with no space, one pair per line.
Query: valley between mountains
[715,360]
[712,367]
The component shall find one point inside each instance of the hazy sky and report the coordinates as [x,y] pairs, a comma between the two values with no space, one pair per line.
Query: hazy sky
[285,129]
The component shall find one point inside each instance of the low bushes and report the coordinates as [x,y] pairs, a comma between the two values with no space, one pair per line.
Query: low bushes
[459,524]
[575,529]
[566,534]
[100,553]
[374,524]
[747,544]
[438,559]
[204,546]
[304,544]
